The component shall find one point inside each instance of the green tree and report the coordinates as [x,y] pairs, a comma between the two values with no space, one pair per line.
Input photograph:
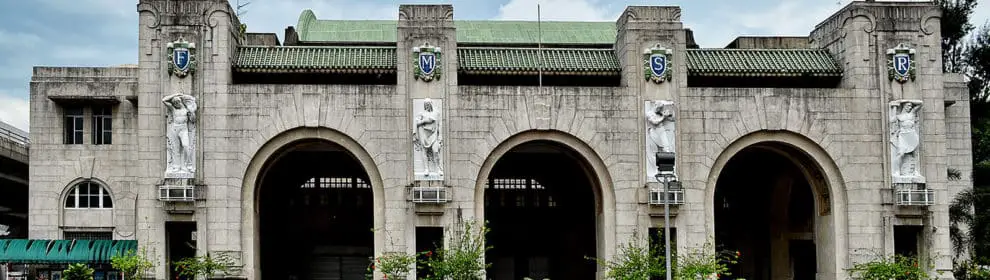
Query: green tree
[970,208]
[955,25]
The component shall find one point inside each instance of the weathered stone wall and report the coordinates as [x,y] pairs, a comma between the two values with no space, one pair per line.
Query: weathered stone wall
[55,166]
[843,129]
[375,117]
[958,136]
[843,122]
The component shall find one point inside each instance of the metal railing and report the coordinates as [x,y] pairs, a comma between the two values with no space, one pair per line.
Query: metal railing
[429,194]
[914,197]
[176,193]
[675,196]
[14,134]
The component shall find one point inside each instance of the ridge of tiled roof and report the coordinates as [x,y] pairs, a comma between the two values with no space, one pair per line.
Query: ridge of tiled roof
[504,60]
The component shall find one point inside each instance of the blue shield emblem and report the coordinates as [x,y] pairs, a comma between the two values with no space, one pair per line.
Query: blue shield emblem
[658,64]
[180,57]
[427,62]
[902,64]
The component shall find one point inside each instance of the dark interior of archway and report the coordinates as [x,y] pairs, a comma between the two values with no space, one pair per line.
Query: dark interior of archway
[316,215]
[540,207]
[767,220]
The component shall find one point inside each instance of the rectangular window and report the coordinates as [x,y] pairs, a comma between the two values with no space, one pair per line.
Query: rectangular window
[906,239]
[657,243]
[428,239]
[73,125]
[89,235]
[102,125]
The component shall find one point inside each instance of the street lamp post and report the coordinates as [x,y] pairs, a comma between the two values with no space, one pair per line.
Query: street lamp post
[665,166]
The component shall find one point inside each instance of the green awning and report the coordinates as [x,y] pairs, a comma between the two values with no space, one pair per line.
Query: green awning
[62,251]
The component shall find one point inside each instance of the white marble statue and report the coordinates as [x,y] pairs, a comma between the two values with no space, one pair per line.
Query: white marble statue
[181,119]
[905,138]
[427,140]
[660,130]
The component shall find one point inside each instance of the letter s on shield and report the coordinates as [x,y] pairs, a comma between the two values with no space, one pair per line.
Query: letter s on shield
[427,62]
[658,64]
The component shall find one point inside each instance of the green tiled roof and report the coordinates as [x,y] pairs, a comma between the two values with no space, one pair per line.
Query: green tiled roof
[333,59]
[700,62]
[311,29]
[526,60]
[761,62]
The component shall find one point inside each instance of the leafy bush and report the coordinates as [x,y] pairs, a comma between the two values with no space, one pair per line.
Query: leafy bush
[206,266]
[78,271]
[131,264]
[393,264]
[463,259]
[968,270]
[704,262]
[886,268]
[635,262]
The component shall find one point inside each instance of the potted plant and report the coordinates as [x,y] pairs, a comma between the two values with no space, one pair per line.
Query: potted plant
[77,271]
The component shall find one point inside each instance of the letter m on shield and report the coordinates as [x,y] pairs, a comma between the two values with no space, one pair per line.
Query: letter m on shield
[427,62]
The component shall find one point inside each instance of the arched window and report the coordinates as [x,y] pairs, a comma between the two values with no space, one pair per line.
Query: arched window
[88,194]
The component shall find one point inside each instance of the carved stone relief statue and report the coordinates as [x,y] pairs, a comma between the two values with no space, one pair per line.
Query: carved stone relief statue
[179,135]
[427,139]
[905,140]
[660,131]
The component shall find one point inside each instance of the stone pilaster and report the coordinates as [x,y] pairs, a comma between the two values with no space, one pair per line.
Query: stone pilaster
[212,31]
[426,45]
[865,37]
[654,34]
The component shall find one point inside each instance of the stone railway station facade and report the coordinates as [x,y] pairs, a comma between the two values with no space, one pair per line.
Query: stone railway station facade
[806,154]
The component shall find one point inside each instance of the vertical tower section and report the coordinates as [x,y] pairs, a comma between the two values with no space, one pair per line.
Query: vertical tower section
[891,51]
[185,52]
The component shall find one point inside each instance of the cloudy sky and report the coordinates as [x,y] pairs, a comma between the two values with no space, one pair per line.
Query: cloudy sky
[104,32]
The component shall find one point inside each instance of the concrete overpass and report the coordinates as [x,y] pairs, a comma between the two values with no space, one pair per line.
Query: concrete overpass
[14,147]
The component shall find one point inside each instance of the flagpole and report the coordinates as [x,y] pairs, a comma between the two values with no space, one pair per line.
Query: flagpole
[539,46]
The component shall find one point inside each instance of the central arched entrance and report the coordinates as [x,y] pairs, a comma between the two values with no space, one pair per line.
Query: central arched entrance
[314,207]
[542,194]
[774,199]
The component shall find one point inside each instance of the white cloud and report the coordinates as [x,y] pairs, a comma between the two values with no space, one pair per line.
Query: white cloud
[558,10]
[17,40]
[100,8]
[15,111]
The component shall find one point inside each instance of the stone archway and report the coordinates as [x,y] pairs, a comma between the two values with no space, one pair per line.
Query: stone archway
[814,169]
[271,152]
[542,146]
